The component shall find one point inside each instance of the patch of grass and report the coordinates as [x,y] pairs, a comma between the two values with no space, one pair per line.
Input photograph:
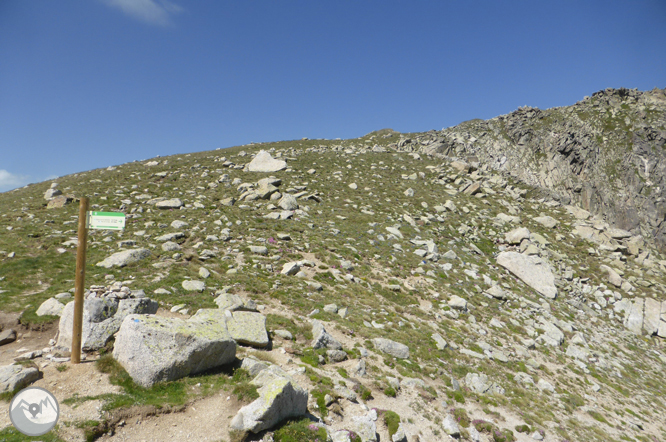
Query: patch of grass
[523,428]
[392,421]
[320,395]
[10,434]
[342,372]
[390,391]
[460,415]
[302,430]
[244,391]
[457,396]
[62,367]
[597,416]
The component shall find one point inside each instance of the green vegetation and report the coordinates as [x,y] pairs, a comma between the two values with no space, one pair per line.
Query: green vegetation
[302,430]
[392,421]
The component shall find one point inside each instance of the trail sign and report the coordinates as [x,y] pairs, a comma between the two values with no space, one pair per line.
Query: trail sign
[106,220]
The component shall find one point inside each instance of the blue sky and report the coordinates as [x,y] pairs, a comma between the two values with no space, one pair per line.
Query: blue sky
[91,83]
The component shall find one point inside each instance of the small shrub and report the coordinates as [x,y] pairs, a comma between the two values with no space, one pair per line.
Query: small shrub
[62,367]
[390,391]
[523,428]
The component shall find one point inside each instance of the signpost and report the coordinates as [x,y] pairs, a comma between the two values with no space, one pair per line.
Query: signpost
[92,220]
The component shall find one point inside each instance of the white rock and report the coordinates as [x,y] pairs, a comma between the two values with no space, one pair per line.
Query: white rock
[532,270]
[50,307]
[264,162]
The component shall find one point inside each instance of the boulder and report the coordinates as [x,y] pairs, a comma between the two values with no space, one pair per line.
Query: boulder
[193,286]
[395,349]
[532,270]
[321,338]
[102,318]
[364,427]
[248,328]
[290,268]
[651,318]
[552,335]
[126,257]
[228,301]
[479,383]
[7,336]
[174,203]
[515,236]
[51,193]
[50,307]
[264,162]
[633,316]
[280,398]
[154,349]
[547,221]
[450,426]
[59,202]
[17,377]
[288,202]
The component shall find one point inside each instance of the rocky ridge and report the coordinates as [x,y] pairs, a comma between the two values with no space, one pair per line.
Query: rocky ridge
[606,154]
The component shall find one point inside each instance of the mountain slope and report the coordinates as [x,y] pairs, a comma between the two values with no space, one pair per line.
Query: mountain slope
[416,248]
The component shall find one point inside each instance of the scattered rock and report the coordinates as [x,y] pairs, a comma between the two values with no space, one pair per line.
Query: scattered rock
[395,349]
[50,307]
[17,377]
[126,257]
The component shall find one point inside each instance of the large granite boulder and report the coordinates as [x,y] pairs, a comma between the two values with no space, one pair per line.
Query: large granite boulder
[154,349]
[102,318]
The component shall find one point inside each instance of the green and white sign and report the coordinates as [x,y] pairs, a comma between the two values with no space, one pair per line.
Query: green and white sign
[106,220]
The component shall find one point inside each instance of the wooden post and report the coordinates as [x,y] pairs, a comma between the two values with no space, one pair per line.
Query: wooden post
[80,282]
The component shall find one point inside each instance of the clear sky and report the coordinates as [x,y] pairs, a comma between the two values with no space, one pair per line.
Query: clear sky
[92,83]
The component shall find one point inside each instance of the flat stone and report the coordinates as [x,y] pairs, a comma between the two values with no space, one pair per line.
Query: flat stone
[174,203]
[193,285]
[126,257]
[532,270]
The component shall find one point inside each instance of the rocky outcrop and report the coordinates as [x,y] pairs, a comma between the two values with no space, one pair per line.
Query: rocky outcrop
[605,153]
